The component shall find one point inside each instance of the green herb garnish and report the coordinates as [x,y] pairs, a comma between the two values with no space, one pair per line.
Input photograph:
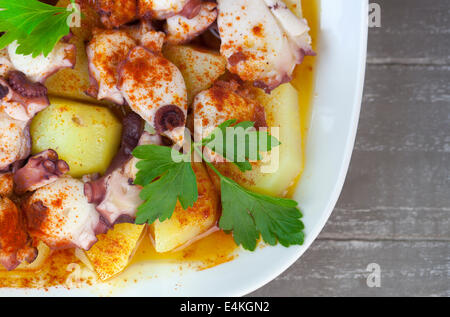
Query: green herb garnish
[247,214]
[176,181]
[240,143]
[36,26]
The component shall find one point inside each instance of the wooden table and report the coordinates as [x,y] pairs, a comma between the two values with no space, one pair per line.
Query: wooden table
[395,206]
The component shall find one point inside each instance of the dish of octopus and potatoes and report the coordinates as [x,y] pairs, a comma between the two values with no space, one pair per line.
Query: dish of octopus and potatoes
[115,124]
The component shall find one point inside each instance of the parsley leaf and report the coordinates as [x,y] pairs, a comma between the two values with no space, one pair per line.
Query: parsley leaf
[250,215]
[240,143]
[167,177]
[36,26]
[176,181]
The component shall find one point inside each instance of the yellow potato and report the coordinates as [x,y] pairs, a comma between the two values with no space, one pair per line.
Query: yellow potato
[282,167]
[185,225]
[200,67]
[114,250]
[85,136]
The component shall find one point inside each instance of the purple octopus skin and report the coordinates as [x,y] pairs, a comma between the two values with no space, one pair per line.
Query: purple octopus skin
[40,170]
[95,191]
[22,99]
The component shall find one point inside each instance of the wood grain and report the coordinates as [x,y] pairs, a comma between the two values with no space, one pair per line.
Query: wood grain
[395,206]
[412,32]
[338,268]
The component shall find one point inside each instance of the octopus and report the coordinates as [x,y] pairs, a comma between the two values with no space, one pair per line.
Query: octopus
[15,243]
[5,63]
[224,101]
[145,35]
[132,130]
[154,88]
[20,100]
[109,48]
[41,169]
[39,68]
[115,194]
[181,29]
[60,215]
[105,51]
[6,184]
[15,143]
[121,196]
[163,9]
[114,13]
[262,40]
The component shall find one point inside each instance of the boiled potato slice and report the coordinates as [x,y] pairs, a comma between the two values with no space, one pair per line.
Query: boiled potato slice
[185,225]
[114,250]
[200,67]
[283,165]
[85,136]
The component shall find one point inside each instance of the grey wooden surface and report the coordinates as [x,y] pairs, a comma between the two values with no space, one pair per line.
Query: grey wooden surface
[395,206]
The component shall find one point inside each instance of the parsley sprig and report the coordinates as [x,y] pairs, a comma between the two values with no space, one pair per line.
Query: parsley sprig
[166,176]
[36,26]
[240,143]
[176,181]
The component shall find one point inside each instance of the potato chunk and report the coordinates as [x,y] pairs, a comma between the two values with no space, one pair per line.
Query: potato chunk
[283,165]
[199,67]
[86,137]
[185,225]
[114,250]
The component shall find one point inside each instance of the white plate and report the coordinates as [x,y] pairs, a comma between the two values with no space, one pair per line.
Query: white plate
[339,85]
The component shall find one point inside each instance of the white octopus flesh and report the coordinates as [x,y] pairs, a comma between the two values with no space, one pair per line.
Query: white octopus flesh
[60,215]
[181,29]
[155,89]
[15,143]
[262,40]
[105,51]
[39,68]
[224,101]
[121,198]
[163,9]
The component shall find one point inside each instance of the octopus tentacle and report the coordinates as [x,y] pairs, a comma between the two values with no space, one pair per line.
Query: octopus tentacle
[149,82]
[191,9]
[39,68]
[42,169]
[168,118]
[15,141]
[182,29]
[161,10]
[25,87]
[60,215]
[116,13]
[106,50]
[22,99]
[122,199]
[133,126]
[264,42]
